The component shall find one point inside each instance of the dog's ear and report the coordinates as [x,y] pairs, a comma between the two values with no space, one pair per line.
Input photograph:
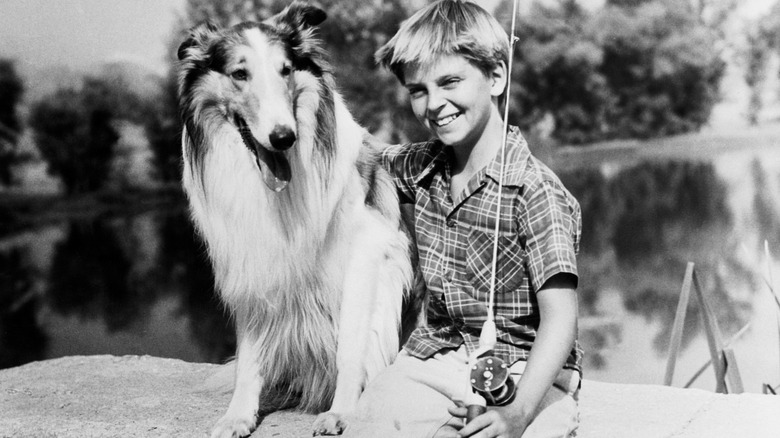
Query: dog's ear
[194,46]
[300,15]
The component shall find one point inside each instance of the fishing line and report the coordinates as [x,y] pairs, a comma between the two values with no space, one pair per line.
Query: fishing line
[489,376]
[489,328]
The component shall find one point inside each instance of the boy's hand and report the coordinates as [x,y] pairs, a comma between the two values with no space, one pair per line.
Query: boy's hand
[499,421]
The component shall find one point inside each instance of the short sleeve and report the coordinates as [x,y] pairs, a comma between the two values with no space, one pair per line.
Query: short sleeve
[553,225]
[396,160]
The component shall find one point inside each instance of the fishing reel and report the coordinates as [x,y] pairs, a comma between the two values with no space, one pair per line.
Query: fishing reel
[491,379]
[488,374]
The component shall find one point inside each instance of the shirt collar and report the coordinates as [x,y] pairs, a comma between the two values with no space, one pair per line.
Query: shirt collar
[438,154]
[517,154]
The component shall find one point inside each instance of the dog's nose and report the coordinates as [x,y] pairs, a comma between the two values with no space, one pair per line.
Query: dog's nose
[282,137]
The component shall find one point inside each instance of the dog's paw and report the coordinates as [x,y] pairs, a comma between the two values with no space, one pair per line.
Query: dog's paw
[233,427]
[329,423]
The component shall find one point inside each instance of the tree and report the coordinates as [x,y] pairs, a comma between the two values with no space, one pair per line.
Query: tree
[163,129]
[354,31]
[557,72]
[756,57]
[634,69]
[75,136]
[11,89]
[763,40]
[75,126]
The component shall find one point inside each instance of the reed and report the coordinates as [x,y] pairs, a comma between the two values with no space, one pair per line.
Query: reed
[707,364]
[722,358]
[770,282]
[679,322]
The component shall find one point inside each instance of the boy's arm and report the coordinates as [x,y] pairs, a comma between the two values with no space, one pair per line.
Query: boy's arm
[395,160]
[555,338]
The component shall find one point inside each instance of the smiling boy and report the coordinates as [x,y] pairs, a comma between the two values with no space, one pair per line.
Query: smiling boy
[452,58]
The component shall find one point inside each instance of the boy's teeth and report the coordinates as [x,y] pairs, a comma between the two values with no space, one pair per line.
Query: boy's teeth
[446,120]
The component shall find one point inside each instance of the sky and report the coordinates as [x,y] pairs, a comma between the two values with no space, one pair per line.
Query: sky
[82,34]
[44,35]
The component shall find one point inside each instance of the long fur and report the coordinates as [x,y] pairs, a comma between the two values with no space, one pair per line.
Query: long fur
[327,251]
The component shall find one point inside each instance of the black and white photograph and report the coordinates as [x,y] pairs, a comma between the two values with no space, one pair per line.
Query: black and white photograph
[390,218]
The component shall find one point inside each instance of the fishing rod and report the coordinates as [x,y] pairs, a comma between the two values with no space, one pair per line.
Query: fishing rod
[489,375]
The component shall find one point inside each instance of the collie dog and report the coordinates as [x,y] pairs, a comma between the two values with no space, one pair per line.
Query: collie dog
[301,224]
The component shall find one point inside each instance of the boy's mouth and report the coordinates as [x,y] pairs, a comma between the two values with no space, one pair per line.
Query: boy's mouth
[444,121]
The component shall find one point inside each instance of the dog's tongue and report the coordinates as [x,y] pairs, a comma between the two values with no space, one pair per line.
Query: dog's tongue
[275,169]
[273,165]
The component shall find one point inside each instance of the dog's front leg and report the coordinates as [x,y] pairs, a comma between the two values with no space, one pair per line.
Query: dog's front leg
[350,353]
[368,324]
[354,324]
[241,417]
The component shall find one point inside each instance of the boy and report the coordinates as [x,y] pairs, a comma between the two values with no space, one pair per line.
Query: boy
[452,58]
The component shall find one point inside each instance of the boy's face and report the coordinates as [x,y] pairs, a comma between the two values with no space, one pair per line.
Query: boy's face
[453,98]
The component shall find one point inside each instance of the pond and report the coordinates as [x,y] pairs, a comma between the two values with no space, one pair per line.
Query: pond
[139,283]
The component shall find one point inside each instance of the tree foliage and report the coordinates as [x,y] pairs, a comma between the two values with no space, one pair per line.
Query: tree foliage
[633,69]
[75,136]
[763,40]
[75,127]
[756,56]
[11,90]
[163,129]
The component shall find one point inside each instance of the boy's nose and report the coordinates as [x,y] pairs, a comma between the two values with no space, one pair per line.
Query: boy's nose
[435,102]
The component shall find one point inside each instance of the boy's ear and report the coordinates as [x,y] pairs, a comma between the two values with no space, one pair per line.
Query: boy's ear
[499,77]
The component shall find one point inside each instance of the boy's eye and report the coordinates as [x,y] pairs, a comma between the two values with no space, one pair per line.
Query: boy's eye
[239,75]
[416,93]
[450,82]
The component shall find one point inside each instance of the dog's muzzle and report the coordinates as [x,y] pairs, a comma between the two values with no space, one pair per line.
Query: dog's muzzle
[282,138]
[274,166]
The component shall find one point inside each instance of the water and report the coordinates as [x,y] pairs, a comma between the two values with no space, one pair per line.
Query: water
[139,283]
[645,218]
[134,284]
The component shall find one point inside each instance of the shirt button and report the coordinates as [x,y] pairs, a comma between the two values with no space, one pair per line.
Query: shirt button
[451,223]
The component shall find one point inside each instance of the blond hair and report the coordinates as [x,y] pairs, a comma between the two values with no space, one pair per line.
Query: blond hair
[446,27]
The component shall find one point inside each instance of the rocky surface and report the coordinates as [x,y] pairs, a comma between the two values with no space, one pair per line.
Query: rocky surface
[131,396]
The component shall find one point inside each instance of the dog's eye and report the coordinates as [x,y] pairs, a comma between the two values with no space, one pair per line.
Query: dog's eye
[239,75]
[286,70]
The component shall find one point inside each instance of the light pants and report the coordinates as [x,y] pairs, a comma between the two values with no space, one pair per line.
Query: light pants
[410,398]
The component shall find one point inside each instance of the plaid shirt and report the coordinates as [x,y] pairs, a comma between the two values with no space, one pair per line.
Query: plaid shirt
[539,233]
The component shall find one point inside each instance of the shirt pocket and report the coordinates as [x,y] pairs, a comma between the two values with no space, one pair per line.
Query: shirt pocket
[510,267]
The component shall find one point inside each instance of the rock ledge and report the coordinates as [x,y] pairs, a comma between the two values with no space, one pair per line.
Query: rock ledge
[132,396]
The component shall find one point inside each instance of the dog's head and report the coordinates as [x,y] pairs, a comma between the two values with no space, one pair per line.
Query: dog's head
[245,76]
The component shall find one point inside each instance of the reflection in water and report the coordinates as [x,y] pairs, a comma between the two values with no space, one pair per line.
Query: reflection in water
[133,285]
[89,278]
[641,226]
[650,220]
[766,205]
[189,276]
[21,340]
[140,284]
